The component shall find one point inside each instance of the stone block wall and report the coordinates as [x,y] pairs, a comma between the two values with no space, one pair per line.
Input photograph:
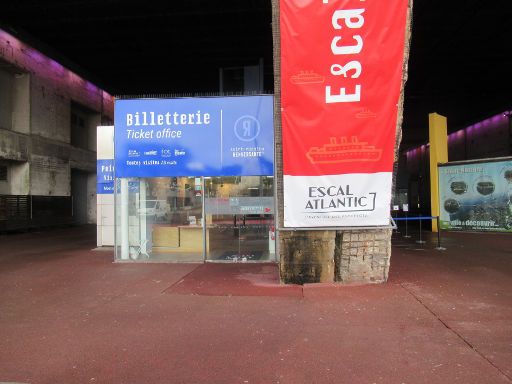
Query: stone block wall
[307,257]
[362,256]
[356,256]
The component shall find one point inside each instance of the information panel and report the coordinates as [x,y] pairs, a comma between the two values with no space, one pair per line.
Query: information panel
[105,176]
[217,136]
[341,70]
[476,196]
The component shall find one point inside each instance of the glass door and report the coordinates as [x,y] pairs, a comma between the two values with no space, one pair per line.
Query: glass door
[239,214]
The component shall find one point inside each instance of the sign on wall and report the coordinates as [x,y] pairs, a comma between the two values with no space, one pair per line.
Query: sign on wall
[476,196]
[341,70]
[239,205]
[104,176]
[218,136]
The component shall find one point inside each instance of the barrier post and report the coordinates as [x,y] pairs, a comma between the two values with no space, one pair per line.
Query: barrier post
[406,234]
[439,248]
[420,241]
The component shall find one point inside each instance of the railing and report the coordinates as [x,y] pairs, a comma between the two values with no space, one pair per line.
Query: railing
[420,219]
[19,212]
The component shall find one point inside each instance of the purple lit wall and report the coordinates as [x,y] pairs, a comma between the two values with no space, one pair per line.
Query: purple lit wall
[488,138]
[52,75]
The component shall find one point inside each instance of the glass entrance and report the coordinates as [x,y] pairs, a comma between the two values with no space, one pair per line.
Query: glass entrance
[239,214]
[162,218]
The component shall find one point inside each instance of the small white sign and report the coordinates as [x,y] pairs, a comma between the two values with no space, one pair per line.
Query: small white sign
[396,207]
[405,208]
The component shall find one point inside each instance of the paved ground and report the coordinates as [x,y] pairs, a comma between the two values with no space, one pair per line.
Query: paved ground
[69,315]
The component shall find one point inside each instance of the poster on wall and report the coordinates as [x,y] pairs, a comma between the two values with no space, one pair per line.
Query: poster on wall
[341,68]
[215,136]
[476,196]
[104,176]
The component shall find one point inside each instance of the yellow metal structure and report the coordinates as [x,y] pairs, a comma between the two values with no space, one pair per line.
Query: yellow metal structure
[438,137]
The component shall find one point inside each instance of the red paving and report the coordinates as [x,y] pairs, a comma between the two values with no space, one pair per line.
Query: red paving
[70,315]
[234,279]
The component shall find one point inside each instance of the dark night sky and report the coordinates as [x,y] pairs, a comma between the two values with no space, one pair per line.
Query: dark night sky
[460,63]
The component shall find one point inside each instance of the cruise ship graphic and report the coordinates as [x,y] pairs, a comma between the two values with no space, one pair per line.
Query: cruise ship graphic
[307,77]
[343,151]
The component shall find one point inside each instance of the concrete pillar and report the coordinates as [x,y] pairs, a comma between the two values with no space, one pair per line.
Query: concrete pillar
[21,103]
[437,132]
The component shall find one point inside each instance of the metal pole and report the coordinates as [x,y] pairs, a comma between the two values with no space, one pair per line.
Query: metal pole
[203,220]
[393,220]
[125,232]
[438,233]
[439,248]
[145,246]
[420,241]
[406,233]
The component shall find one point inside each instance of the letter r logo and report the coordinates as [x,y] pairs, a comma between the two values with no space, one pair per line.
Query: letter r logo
[247,128]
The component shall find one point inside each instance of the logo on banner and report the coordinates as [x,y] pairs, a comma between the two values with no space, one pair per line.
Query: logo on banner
[343,151]
[307,77]
[247,128]
[166,153]
[366,113]
[338,198]
[133,153]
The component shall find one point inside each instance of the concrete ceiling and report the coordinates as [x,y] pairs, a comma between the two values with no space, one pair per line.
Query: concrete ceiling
[459,66]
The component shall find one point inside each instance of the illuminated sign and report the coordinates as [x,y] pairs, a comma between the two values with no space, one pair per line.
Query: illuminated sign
[217,136]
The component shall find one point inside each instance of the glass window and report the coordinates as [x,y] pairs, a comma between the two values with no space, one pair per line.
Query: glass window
[161,218]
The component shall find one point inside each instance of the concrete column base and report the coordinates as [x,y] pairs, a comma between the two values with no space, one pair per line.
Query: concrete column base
[306,256]
[363,256]
[348,257]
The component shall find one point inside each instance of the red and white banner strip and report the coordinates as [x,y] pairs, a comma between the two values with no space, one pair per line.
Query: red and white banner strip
[341,70]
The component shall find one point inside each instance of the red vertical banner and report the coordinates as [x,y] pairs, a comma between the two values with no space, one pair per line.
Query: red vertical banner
[341,70]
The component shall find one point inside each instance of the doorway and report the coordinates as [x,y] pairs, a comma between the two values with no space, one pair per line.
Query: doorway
[79,196]
[239,214]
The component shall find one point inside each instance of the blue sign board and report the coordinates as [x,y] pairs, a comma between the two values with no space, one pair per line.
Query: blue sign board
[217,136]
[105,176]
